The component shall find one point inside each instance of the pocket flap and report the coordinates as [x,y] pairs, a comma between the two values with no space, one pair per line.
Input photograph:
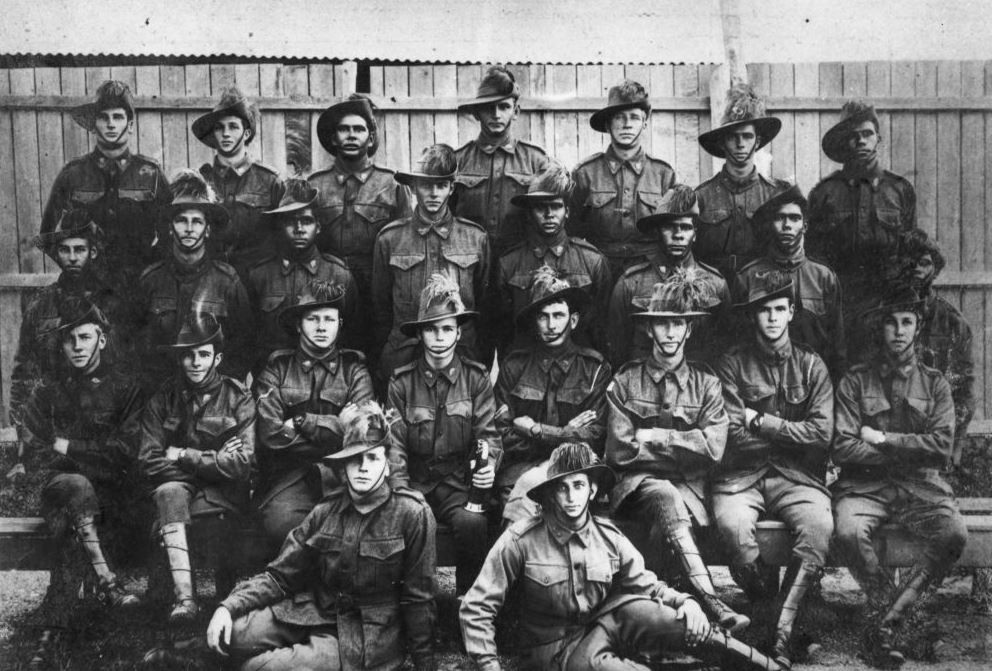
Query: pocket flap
[163,304]
[417,414]
[651,200]
[920,405]
[469,181]
[462,260]
[546,574]
[270,303]
[324,542]
[599,573]
[139,195]
[381,548]
[714,216]
[756,392]
[872,405]
[253,199]
[796,394]
[460,408]
[600,198]
[405,261]
[520,178]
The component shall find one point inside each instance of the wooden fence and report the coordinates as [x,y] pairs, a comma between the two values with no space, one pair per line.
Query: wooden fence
[936,124]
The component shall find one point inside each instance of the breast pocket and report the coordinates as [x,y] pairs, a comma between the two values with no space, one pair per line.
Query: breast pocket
[599,578]
[919,412]
[685,417]
[211,427]
[518,182]
[408,280]
[648,203]
[328,549]
[455,433]
[600,201]
[461,264]
[420,429]
[796,398]
[380,563]
[873,409]
[257,200]
[163,315]
[546,587]
[759,397]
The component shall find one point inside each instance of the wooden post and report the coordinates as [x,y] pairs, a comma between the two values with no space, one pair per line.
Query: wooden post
[350,83]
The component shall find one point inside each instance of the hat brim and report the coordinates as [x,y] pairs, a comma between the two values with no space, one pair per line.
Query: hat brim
[215,213]
[766,127]
[203,126]
[328,120]
[475,103]
[669,314]
[177,347]
[600,120]
[576,298]
[292,207]
[410,329]
[350,451]
[835,140]
[910,306]
[408,178]
[653,221]
[768,208]
[85,116]
[289,315]
[601,473]
[782,292]
[46,242]
[525,199]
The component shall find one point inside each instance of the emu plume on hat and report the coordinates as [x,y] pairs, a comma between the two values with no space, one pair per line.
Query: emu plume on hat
[232,103]
[190,191]
[678,202]
[744,107]
[767,286]
[497,84]
[573,459]
[686,293]
[436,162]
[75,222]
[440,298]
[111,94]
[547,287]
[298,194]
[316,294]
[366,428]
[553,182]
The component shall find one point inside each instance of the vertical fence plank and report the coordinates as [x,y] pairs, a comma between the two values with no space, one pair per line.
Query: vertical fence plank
[783,148]
[831,84]
[902,142]
[663,123]
[687,127]
[926,151]
[563,83]
[807,83]
[521,74]
[74,137]
[197,82]
[541,123]
[421,83]
[273,141]
[10,304]
[175,151]
[589,84]
[321,76]
[301,141]
[148,83]
[396,84]
[468,77]
[50,152]
[221,77]
[26,172]
[949,167]
[879,85]
[706,163]
[855,79]
[446,123]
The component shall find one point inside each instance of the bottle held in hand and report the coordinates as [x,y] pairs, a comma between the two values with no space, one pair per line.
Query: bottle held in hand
[477,497]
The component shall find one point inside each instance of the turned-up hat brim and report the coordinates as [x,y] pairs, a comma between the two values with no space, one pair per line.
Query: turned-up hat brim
[328,121]
[600,120]
[294,206]
[766,127]
[482,101]
[576,298]
[836,141]
[203,126]
[599,473]
[290,315]
[410,329]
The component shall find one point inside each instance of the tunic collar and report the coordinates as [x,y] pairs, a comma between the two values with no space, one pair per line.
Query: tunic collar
[658,371]
[615,162]
[508,144]
[442,226]
[449,372]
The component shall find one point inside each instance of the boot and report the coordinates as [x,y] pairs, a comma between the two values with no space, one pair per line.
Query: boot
[802,575]
[885,652]
[177,550]
[758,580]
[730,653]
[698,575]
[109,589]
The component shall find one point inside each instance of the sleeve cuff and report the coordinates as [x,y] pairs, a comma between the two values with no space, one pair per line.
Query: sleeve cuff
[771,426]
[192,458]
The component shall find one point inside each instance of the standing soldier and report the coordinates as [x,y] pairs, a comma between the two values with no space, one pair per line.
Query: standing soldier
[548,394]
[617,188]
[446,408]
[671,256]
[353,586]
[728,235]
[667,429]
[277,281]
[547,244]
[409,251]
[356,197]
[780,402]
[124,192]
[858,213]
[819,318]
[197,453]
[302,393]
[245,187]
[894,421]
[191,281]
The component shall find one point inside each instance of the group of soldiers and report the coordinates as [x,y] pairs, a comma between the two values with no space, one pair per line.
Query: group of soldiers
[214,347]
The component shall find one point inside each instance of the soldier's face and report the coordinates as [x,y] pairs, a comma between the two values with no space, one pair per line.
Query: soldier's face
[572,495]
[82,345]
[367,470]
[197,362]
[772,318]
[677,237]
[788,225]
[321,327]
[73,254]
[739,144]
[190,230]
[864,140]
[440,337]
[548,216]
[924,268]
[230,135]
[112,127]
[300,228]
[433,194]
[669,335]
[626,127]
[495,119]
[899,331]
[555,322]
[352,136]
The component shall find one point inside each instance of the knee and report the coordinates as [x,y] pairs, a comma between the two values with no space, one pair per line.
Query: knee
[817,530]
[168,493]
[469,524]
[849,531]
[952,538]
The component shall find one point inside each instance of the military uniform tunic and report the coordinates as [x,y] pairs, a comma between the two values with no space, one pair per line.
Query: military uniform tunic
[945,344]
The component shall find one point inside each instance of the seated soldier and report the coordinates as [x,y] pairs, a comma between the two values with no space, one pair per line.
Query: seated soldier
[446,409]
[586,600]
[667,429]
[301,393]
[276,282]
[781,404]
[550,393]
[894,422]
[353,586]
[85,418]
[197,453]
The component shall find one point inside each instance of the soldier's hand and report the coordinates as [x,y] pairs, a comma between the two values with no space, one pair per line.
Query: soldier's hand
[749,416]
[584,418]
[61,445]
[233,443]
[484,477]
[523,425]
[872,436]
[172,453]
[219,631]
[697,627]
[17,472]
[644,435]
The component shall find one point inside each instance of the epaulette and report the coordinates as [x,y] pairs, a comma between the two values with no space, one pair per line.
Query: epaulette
[606,523]
[584,244]
[588,159]
[238,385]
[411,493]
[657,160]
[225,267]
[469,222]
[266,168]
[318,173]
[636,268]
[275,354]
[464,147]
[590,353]
[330,258]
[836,174]
[928,371]
[271,257]
[521,527]
[382,168]
[896,176]
[151,268]
[147,159]
[398,223]
[405,368]
[859,367]
[633,363]
[804,347]
[353,355]
[78,159]
[820,262]
[704,366]
[710,268]
[706,182]
[520,244]
[521,353]
[533,146]
[472,363]
[333,495]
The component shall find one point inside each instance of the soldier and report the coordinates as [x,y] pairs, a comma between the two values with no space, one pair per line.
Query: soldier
[245,187]
[547,244]
[819,318]
[74,246]
[672,255]
[277,281]
[411,250]
[667,429]
[858,213]
[780,403]
[124,192]
[85,421]
[894,421]
[587,602]
[552,393]
[353,586]
[191,281]
[617,188]
[197,453]
[446,407]
[356,197]
[728,235]
[301,394]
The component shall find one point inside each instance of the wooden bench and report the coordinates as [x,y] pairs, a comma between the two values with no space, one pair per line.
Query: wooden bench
[25,542]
